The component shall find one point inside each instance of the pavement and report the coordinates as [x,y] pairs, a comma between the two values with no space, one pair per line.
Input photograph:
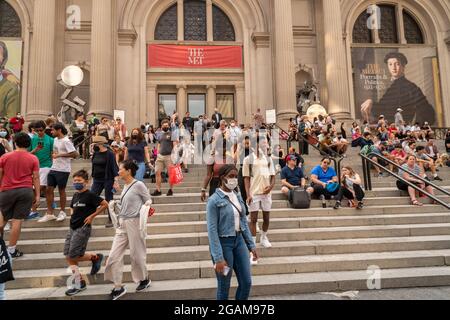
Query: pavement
[434,293]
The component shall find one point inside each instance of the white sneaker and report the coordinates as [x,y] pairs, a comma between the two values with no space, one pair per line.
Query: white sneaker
[47,218]
[264,241]
[252,262]
[61,216]
[258,230]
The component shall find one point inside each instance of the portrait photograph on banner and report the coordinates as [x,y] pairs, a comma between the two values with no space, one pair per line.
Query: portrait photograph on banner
[388,79]
[10,77]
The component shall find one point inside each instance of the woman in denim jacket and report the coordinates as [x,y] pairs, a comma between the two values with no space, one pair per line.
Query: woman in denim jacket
[230,240]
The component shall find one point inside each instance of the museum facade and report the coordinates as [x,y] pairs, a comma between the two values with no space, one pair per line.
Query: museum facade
[149,58]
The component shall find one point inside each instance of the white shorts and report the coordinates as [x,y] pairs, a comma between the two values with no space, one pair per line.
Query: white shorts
[261,202]
[43,174]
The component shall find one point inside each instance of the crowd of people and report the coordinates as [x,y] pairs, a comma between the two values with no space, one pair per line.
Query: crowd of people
[242,162]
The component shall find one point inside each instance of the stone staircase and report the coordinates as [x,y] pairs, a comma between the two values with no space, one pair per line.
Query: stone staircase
[314,250]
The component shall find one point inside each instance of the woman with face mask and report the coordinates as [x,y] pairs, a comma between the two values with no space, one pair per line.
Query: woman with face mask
[230,240]
[4,144]
[137,149]
[105,171]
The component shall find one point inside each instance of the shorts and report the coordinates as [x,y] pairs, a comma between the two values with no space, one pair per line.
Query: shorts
[16,204]
[43,176]
[76,242]
[163,162]
[57,179]
[261,202]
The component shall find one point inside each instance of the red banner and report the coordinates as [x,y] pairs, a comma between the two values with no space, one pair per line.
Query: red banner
[179,56]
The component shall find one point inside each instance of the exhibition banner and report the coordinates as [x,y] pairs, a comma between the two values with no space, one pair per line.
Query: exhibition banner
[387,79]
[10,77]
[182,56]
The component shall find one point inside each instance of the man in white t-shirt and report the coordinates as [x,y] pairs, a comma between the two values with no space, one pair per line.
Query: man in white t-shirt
[63,152]
[259,177]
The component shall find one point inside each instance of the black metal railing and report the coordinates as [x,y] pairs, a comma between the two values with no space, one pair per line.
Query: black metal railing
[78,144]
[367,162]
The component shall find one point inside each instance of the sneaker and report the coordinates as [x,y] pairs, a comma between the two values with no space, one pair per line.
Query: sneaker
[16,254]
[143,285]
[437,179]
[265,242]
[258,230]
[360,206]
[47,218]
[170,193]
[252,262]
[117,293]
[32,216]
[324,202]
[156,193]
[61,216]
[337,205]
[74,291]
[97,264]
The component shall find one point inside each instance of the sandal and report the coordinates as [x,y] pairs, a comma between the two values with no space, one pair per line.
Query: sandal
[417,203]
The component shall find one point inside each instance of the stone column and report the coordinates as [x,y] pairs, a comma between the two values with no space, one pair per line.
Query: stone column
[181,100]
[152,105]
[211,100]
[101,95]
[42,71]
[336,63]
[240,107]
[284,60]
[180,20]
[209,20]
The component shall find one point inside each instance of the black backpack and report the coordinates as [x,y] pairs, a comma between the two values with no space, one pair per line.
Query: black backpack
[299,199]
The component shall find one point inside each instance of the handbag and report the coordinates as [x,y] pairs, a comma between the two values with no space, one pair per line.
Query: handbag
[6,273]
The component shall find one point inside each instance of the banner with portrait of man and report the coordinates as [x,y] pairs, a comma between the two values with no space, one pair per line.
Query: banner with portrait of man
[388,79]
[10,77]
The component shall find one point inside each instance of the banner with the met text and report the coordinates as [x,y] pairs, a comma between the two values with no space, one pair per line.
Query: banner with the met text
[182,56]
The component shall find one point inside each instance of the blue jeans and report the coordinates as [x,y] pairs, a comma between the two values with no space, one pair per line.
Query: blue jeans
[237,256]
[141,172]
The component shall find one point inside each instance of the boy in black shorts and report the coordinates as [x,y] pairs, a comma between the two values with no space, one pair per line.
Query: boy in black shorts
[85,207]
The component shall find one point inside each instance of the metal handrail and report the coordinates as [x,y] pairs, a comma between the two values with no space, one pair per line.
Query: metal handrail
[367,161]
[89,136]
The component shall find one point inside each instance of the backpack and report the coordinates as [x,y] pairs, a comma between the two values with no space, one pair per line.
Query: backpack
[252,160]
[299,199]
[368,149]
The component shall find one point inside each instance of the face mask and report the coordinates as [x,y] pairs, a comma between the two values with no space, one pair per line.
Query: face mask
[78,186]
[165,129]
[232,183]
[96,148]
[3,134]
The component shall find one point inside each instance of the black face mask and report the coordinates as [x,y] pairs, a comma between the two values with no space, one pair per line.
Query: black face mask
[96,149]
[165,129]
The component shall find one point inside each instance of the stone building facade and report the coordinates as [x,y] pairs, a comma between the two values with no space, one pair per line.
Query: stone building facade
[283,43]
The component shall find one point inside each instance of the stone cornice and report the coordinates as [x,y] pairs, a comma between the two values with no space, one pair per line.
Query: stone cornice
[261,39]
[127,37]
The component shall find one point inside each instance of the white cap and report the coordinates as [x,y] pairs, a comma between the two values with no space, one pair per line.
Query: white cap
[399,110]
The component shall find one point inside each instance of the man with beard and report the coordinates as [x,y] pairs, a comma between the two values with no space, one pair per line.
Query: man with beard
[402,94]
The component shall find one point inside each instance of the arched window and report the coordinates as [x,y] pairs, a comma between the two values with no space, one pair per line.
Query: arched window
[195,20]
[222,26]
[167,26]
[413,32]
[388,33]
[10,26]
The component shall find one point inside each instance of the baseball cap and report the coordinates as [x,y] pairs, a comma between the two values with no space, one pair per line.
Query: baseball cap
[399,110]
[291,157]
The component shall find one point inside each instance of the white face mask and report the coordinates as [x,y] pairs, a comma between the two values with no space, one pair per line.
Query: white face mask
[232,183]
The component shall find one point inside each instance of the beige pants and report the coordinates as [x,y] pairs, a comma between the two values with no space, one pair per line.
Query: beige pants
[128,233]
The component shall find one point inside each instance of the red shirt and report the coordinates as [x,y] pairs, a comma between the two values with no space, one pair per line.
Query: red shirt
[400,153]
[18,168]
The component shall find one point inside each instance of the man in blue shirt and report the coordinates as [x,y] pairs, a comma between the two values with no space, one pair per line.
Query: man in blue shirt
[324,181]
[291,176]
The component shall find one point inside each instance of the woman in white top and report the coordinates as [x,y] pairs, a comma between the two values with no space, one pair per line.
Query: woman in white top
[350,188]
[134,196]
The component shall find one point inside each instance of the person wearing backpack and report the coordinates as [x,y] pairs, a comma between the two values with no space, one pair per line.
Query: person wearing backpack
[259,177]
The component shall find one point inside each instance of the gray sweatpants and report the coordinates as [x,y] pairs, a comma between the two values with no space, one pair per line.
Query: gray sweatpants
[127,234]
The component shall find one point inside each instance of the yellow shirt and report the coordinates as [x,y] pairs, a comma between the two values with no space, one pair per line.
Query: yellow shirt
[262,170]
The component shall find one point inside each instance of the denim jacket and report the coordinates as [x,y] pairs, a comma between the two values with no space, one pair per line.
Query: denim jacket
[220,220]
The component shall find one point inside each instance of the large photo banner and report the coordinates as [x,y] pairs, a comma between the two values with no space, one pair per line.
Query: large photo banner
[388,79]
[181,56]
[10,77]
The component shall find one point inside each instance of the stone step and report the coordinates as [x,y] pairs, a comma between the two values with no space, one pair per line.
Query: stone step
[276,235]
[293,248]
[276,223]
[280,284]
[267,266]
